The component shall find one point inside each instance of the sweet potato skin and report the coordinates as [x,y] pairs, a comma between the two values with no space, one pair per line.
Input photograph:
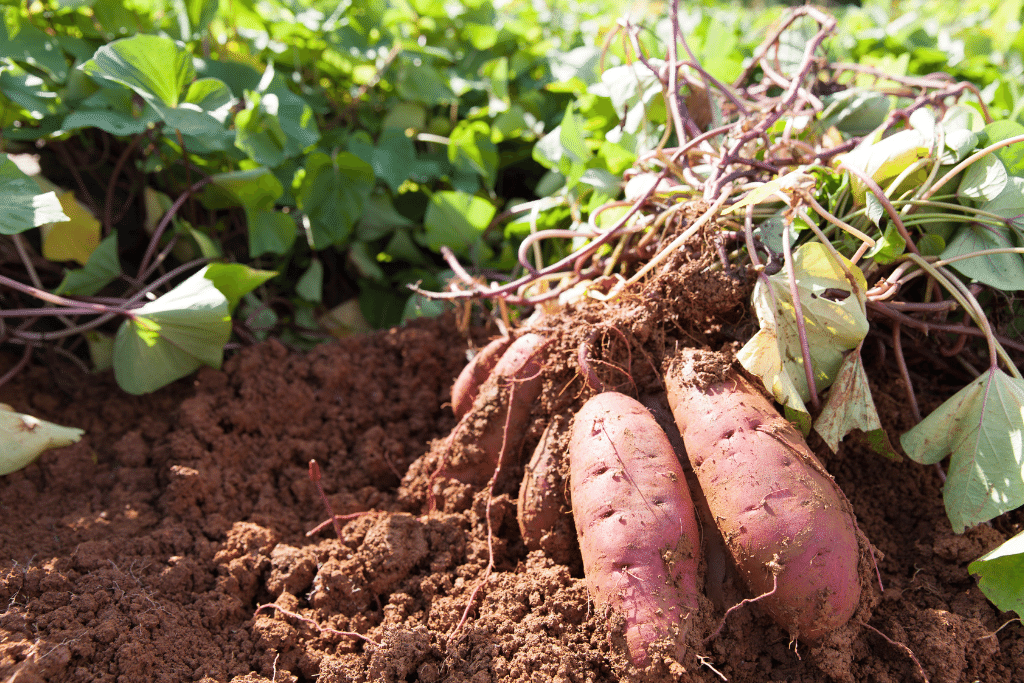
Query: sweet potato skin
[467,384]
[780,513]
[635,521]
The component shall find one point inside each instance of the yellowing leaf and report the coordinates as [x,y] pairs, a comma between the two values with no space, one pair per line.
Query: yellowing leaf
[850,406]
[884,159]
[982,428]
[23,438]
[74,239]
[834,318]
[762,355]
[769,190]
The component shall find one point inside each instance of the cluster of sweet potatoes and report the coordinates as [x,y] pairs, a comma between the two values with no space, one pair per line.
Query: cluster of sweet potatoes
[790,531]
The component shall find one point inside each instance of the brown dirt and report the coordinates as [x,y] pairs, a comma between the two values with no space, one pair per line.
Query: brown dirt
[143,552]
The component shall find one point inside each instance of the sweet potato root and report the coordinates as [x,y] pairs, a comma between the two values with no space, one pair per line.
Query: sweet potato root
[467,384]
[499,413]
[635,522]
[784,520]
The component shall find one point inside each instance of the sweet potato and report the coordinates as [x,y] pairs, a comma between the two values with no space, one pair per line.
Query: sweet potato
[467,384]
[543,513]
[635,522]
[781,514]
[499,414]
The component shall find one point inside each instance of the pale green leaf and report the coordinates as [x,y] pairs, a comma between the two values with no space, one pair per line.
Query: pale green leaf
[768,192]
[984,180]
[172,336]
[982,428]
[884,159]
[1003,271]
[100,270]
[23,438]
[1000,575]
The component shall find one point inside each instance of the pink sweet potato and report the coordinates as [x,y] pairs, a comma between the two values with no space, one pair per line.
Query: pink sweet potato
[635,522]
[781,514]
[500,412]
[543,512]
[467,384]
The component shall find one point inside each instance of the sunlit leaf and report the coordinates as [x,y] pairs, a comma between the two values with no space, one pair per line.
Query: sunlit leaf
[984,180]
[982,428]
[24,206]
[884,159]
[235,280]
[456,220]
[153,66]
[23,438]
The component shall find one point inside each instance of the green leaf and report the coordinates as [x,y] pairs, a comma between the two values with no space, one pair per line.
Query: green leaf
[405,115]
[470,148]
[573,138]
[850,406]
[257,190]
[1013,155]
[1002,271]
[24,206]
[310,285]
[172,336]
[23,438]
[153,66]
[456,220]
[32,46]
[100,270]
[364,263]
[981,428]
[394,157]
[270,232]
[120,123]
[1000,575]
[379,219]
[890,247]
[194,16]
[333,194]
[235,280]
[259,134]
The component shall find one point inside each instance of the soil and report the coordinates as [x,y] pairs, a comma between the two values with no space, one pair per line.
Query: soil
[147,551]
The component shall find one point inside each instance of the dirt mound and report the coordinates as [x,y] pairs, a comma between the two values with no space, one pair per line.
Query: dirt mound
[143,552]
